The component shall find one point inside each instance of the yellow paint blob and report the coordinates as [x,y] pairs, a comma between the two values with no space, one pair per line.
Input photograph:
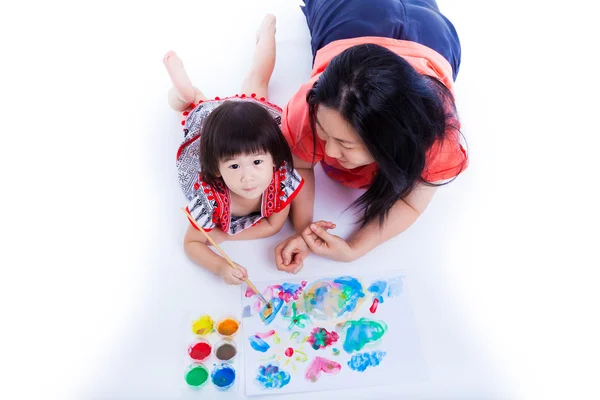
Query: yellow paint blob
[203,325]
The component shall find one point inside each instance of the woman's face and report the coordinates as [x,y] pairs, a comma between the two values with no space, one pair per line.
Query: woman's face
[341,140]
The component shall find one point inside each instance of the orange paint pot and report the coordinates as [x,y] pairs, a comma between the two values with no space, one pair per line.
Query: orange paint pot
[228,326]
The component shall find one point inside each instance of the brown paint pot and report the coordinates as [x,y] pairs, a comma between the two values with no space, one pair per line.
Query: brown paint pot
[226,350]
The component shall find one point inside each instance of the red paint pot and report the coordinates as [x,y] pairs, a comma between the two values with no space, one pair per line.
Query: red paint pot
[200,350]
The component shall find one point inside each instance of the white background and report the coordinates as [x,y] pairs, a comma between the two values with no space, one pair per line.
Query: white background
[95,287]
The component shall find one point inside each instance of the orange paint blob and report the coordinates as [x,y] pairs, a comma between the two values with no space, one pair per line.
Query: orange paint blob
[228,327]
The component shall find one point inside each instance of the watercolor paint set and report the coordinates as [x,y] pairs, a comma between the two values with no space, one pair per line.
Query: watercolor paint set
[324,333]
[212,353]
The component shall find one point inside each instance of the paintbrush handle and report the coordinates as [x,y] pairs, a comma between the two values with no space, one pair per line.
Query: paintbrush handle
[222,253]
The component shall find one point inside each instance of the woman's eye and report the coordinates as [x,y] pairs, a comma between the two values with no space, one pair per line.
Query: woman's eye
[257,162]
[234,166]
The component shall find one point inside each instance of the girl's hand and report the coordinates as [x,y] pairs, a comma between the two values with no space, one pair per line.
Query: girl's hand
[323,243]
[290,254]
[232,276]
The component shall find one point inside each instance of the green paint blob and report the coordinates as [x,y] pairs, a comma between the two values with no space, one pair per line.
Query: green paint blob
[362,331]
[196,376]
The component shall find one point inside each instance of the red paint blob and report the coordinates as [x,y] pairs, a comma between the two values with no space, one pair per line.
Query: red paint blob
[289,352]
[200,351]
[374,306]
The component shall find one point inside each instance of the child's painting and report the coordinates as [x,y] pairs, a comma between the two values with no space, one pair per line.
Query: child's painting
[330,333]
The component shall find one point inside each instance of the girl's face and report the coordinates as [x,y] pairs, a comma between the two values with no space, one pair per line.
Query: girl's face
[341,140]
[248,175]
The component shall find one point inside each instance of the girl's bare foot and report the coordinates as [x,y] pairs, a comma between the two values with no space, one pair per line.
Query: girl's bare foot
[267,28]
[181,82]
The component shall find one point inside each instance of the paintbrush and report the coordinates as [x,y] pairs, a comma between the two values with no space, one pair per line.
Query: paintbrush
[269,308]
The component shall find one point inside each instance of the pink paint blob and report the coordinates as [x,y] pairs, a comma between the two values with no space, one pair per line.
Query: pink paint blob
[289,352]
[320,364]
[265,334]
[374,306]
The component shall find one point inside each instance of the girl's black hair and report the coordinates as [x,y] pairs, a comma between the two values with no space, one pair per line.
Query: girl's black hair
[397,112]
[240,127]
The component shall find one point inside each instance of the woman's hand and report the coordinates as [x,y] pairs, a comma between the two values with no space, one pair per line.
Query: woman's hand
[323,243]
[290,254]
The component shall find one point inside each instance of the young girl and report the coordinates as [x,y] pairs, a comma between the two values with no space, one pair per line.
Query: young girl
[378,113]
[234,164]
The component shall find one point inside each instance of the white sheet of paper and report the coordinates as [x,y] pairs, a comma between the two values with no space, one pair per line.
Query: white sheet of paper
[402,362]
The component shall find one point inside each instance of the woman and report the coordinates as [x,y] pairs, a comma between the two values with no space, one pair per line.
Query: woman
[378,113]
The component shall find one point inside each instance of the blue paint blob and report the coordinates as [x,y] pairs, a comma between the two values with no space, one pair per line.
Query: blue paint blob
[258,344]
[377,288]
[353,291]
[394,287]
[271,377]
[247,312]
[276,303]
[223,376]
[361,361]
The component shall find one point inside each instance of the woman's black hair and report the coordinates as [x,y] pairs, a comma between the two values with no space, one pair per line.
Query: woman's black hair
[397,112]
[240,127]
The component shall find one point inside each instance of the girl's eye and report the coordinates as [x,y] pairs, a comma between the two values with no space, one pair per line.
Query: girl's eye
[234,166]
[257,162]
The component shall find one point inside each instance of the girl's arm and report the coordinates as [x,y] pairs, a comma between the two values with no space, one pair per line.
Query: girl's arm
[198,251]
[302,206]
[196,248]
[265,228]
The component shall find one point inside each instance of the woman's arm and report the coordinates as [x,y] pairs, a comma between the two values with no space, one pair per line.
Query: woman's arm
[401,216]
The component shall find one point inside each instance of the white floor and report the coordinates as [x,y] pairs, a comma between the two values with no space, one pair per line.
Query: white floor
[99,217]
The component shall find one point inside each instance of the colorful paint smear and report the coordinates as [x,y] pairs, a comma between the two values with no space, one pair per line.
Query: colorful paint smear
[336,352]
[265,335]
[247,312]
[228,327]
[271,377]
[196,376]
[373,307]
[203,325]
[294,335]
[394,287]
[223,376]
[320,338]
[258,344]
[327,299]
[290,291]
[360,332]
[319,365]
[361,361]
[297,320]
[377,288]
[200,351]
[276,304]
[283,293]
